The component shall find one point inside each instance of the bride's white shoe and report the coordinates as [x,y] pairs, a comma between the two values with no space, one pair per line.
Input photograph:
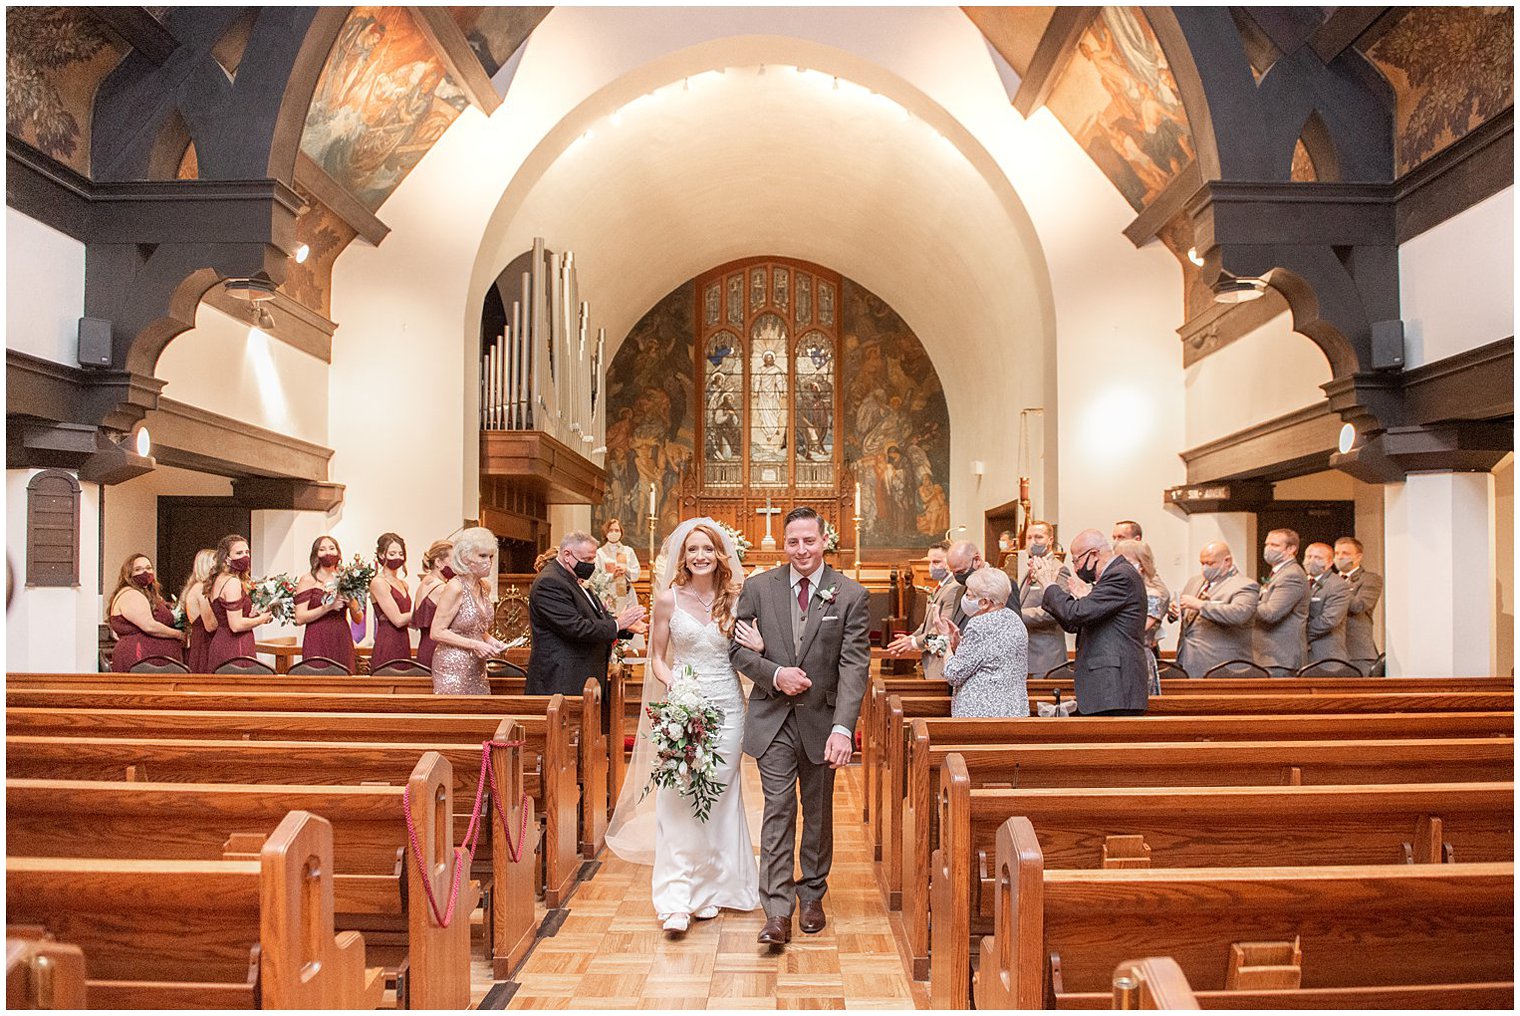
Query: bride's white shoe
[677,922]
[706,913]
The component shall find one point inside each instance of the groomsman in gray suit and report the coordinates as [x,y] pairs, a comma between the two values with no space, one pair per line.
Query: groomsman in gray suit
[944,602]
[1366,588]
[1047,639]
[1282,607]
[1217,610]
[1329,596]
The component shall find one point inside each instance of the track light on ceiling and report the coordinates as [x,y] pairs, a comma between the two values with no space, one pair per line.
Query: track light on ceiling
[263,318]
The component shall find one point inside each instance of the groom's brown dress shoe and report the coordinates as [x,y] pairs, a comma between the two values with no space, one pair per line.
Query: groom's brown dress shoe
[811,918]
[777,931]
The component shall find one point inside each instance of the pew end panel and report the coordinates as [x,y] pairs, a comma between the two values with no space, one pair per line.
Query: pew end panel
[41,973]
[1153,983]
[514,923]
[594,767]
[949,961]
[1009,955]
[303,964]
[561,854]
[439,952]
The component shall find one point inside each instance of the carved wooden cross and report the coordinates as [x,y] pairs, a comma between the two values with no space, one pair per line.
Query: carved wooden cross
[769,543]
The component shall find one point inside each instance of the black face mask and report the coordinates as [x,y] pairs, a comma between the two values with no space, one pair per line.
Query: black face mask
[584,569]
[1088,573]
[962,576]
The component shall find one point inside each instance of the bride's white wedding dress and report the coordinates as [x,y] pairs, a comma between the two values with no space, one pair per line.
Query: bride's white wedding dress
[699,865]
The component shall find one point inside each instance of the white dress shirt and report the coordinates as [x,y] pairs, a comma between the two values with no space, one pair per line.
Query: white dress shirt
[812,577]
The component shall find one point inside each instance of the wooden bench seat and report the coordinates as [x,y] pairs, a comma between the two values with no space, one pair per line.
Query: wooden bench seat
[582,715]
[176,934]
[1185,764]
[201,793]
[891,782]
[41,972]
[1358,929]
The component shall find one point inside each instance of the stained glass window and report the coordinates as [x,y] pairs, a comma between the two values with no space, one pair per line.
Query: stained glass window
[825,303]
[782,287]
[804,299]
[710,301]
[814,430]
[723,390]
[736,299]
[756,288]
[768,390]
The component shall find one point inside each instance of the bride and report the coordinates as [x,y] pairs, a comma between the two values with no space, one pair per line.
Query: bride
[699,867]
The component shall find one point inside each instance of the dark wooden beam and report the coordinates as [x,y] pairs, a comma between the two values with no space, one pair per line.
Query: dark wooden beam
[1166,206]
[136,28]
[193,438]
[1050,56]
[1470,170]
[1343,27]
[458,58]
[536,462]
[1477,384]
[315,180]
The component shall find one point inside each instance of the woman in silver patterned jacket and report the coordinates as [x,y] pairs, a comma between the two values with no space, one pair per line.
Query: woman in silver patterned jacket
[989,661]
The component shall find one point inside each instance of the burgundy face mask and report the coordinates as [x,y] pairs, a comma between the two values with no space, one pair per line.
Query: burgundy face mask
[328,560]
[240,565]
[396,565]
[446,572]
[143,579]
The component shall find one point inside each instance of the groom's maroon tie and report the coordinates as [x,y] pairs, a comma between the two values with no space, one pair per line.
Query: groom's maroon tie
[802,595]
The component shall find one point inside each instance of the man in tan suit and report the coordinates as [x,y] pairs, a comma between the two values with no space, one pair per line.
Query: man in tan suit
[1218,610]
[944,601]
[1047,639]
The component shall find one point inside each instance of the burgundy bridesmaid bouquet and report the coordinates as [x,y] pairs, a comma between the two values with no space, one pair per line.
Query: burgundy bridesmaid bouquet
[353,580]
[276,594]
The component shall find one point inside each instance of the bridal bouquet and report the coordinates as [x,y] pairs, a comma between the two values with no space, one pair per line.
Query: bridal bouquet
[741,542]
[276,594]
[830,536]
[684,731]
[353,580]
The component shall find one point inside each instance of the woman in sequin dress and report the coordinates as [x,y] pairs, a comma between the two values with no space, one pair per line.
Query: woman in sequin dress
[1157,599]
[462,625]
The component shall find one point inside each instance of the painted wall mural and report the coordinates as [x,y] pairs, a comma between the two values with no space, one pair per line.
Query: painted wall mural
[896,427]
[496,32]
[894,424]
[1451,68]
[382,101]
[1118,99]
[651,417]
[55,59]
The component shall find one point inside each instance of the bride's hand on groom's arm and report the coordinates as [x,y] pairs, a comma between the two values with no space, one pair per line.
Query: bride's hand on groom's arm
[748,636]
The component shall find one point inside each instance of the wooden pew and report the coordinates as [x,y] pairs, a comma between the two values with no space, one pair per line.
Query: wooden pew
[357,684]
[891,780]
[373,890]
[1185,764]
[41,973]
[1042,689]
[166,934]
[1154,983]
[512,925]
[1364,933]
[583,714]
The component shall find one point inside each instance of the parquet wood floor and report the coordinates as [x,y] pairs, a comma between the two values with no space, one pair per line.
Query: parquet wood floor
[611,952]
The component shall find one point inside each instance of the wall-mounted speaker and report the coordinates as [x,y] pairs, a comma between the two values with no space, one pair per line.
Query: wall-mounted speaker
[94,342]
[1387,345]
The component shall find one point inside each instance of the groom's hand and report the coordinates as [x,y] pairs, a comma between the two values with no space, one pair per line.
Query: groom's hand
[792,681]
[838,751]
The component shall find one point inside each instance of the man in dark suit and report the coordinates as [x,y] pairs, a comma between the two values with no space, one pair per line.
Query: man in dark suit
[1105,606]
[572,631]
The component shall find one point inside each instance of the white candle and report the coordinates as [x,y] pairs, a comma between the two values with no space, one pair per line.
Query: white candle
[857,498]
[651,499]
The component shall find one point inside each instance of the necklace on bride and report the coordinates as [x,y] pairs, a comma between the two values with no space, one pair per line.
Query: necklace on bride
[706,604]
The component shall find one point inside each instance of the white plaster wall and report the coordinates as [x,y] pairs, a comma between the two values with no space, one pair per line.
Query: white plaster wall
[1264,374]
[44,283]
[227,366]
[131,515]
[52,629]
[1457,282]
[1504,565]
[1015,251]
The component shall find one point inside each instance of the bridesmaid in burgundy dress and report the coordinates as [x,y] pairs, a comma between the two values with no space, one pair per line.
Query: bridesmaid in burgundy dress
[142,621]
[393,603]
[326,620]
[231,607]
[436,572]
[200,620]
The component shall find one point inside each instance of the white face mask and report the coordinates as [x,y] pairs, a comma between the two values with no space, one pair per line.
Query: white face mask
[970,605]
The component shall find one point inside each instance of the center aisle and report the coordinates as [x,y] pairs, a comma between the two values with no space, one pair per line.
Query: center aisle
[612,954]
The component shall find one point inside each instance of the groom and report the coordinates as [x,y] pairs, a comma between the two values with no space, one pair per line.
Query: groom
[802,713]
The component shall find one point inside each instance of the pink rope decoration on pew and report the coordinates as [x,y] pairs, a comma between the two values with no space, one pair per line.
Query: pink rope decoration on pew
[464,854]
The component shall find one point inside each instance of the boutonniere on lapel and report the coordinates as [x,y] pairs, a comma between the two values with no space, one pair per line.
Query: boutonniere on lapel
[827,595]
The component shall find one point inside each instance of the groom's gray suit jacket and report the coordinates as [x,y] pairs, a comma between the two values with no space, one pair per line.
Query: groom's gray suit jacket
[835,654]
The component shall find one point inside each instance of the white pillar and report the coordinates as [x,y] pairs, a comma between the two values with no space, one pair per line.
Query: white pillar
[52,629]
[1438,551]
[280,541]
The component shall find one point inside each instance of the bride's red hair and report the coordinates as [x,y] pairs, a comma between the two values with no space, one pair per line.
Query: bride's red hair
[727,596]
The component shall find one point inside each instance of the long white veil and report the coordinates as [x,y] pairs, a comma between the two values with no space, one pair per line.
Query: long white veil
[630,832]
